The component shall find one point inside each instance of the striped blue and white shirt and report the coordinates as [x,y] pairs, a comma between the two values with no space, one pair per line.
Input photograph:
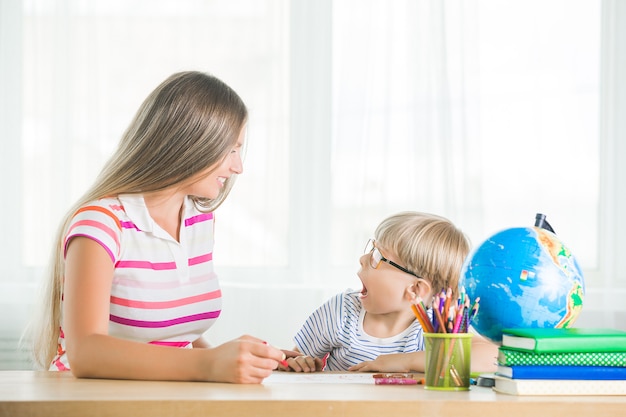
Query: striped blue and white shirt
[336,329]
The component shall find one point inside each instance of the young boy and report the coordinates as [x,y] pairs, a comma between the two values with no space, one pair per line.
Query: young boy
[413,256]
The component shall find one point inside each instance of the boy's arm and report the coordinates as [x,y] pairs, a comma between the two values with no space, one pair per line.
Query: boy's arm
[394,362]
[484,354]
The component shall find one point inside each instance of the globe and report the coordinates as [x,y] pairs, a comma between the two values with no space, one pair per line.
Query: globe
[525,277]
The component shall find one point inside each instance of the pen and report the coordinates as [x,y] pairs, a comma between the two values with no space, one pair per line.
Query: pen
[435,306]
[451,319]
[442,300]
[446,306]
[457,320]
[419,317]
[439,320]
[422,307]
[420,311]
[474,311]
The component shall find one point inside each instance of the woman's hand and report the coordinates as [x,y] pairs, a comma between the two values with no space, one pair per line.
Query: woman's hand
[246,360]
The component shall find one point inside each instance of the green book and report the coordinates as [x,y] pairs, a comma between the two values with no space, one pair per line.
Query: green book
[544,340]
[511,357]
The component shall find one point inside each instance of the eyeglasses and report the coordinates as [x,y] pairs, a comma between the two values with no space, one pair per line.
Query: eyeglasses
[376,258]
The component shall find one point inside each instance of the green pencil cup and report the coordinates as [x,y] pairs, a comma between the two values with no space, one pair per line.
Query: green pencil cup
[448,359]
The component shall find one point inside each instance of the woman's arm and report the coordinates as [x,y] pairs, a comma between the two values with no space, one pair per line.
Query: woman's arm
[93,353]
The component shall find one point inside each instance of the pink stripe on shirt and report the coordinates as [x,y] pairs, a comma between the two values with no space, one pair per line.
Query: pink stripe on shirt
[156,266]
[148,305]
[200,259]
[99,209]
[97,241]
[97,225]
[128,225]
[198,218]
[165,323]
[171,344]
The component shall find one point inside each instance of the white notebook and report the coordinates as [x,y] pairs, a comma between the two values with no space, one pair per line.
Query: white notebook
[559,386]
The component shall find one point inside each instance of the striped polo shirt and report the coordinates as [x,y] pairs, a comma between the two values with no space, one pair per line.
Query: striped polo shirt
[163,291]
[336,329]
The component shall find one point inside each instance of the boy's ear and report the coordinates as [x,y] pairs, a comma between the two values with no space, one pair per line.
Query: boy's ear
[420,289]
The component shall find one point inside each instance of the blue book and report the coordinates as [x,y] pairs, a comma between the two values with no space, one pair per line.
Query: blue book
[562,372]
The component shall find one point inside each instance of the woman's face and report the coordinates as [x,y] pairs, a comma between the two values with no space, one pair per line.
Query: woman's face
[210,182]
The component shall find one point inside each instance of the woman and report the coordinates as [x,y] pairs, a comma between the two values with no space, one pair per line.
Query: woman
[131,288]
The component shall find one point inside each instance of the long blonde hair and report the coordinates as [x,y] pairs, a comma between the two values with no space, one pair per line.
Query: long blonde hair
[429,245]
[189,123]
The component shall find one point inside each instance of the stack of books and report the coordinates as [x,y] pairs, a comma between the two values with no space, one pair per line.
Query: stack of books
[575,361]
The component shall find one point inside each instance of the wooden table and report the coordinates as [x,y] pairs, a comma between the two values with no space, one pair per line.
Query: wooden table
[49,394]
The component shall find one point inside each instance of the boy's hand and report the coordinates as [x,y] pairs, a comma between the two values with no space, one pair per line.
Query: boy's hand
[303,363]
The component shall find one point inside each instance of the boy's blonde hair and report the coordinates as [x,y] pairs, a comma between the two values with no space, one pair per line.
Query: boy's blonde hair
[189,123]
[429,245]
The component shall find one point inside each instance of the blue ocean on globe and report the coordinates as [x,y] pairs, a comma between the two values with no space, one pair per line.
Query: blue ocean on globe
[525,277]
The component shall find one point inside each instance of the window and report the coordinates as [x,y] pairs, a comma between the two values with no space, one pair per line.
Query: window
[482,111]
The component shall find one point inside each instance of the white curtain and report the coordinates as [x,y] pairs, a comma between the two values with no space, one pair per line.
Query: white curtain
[484,111]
